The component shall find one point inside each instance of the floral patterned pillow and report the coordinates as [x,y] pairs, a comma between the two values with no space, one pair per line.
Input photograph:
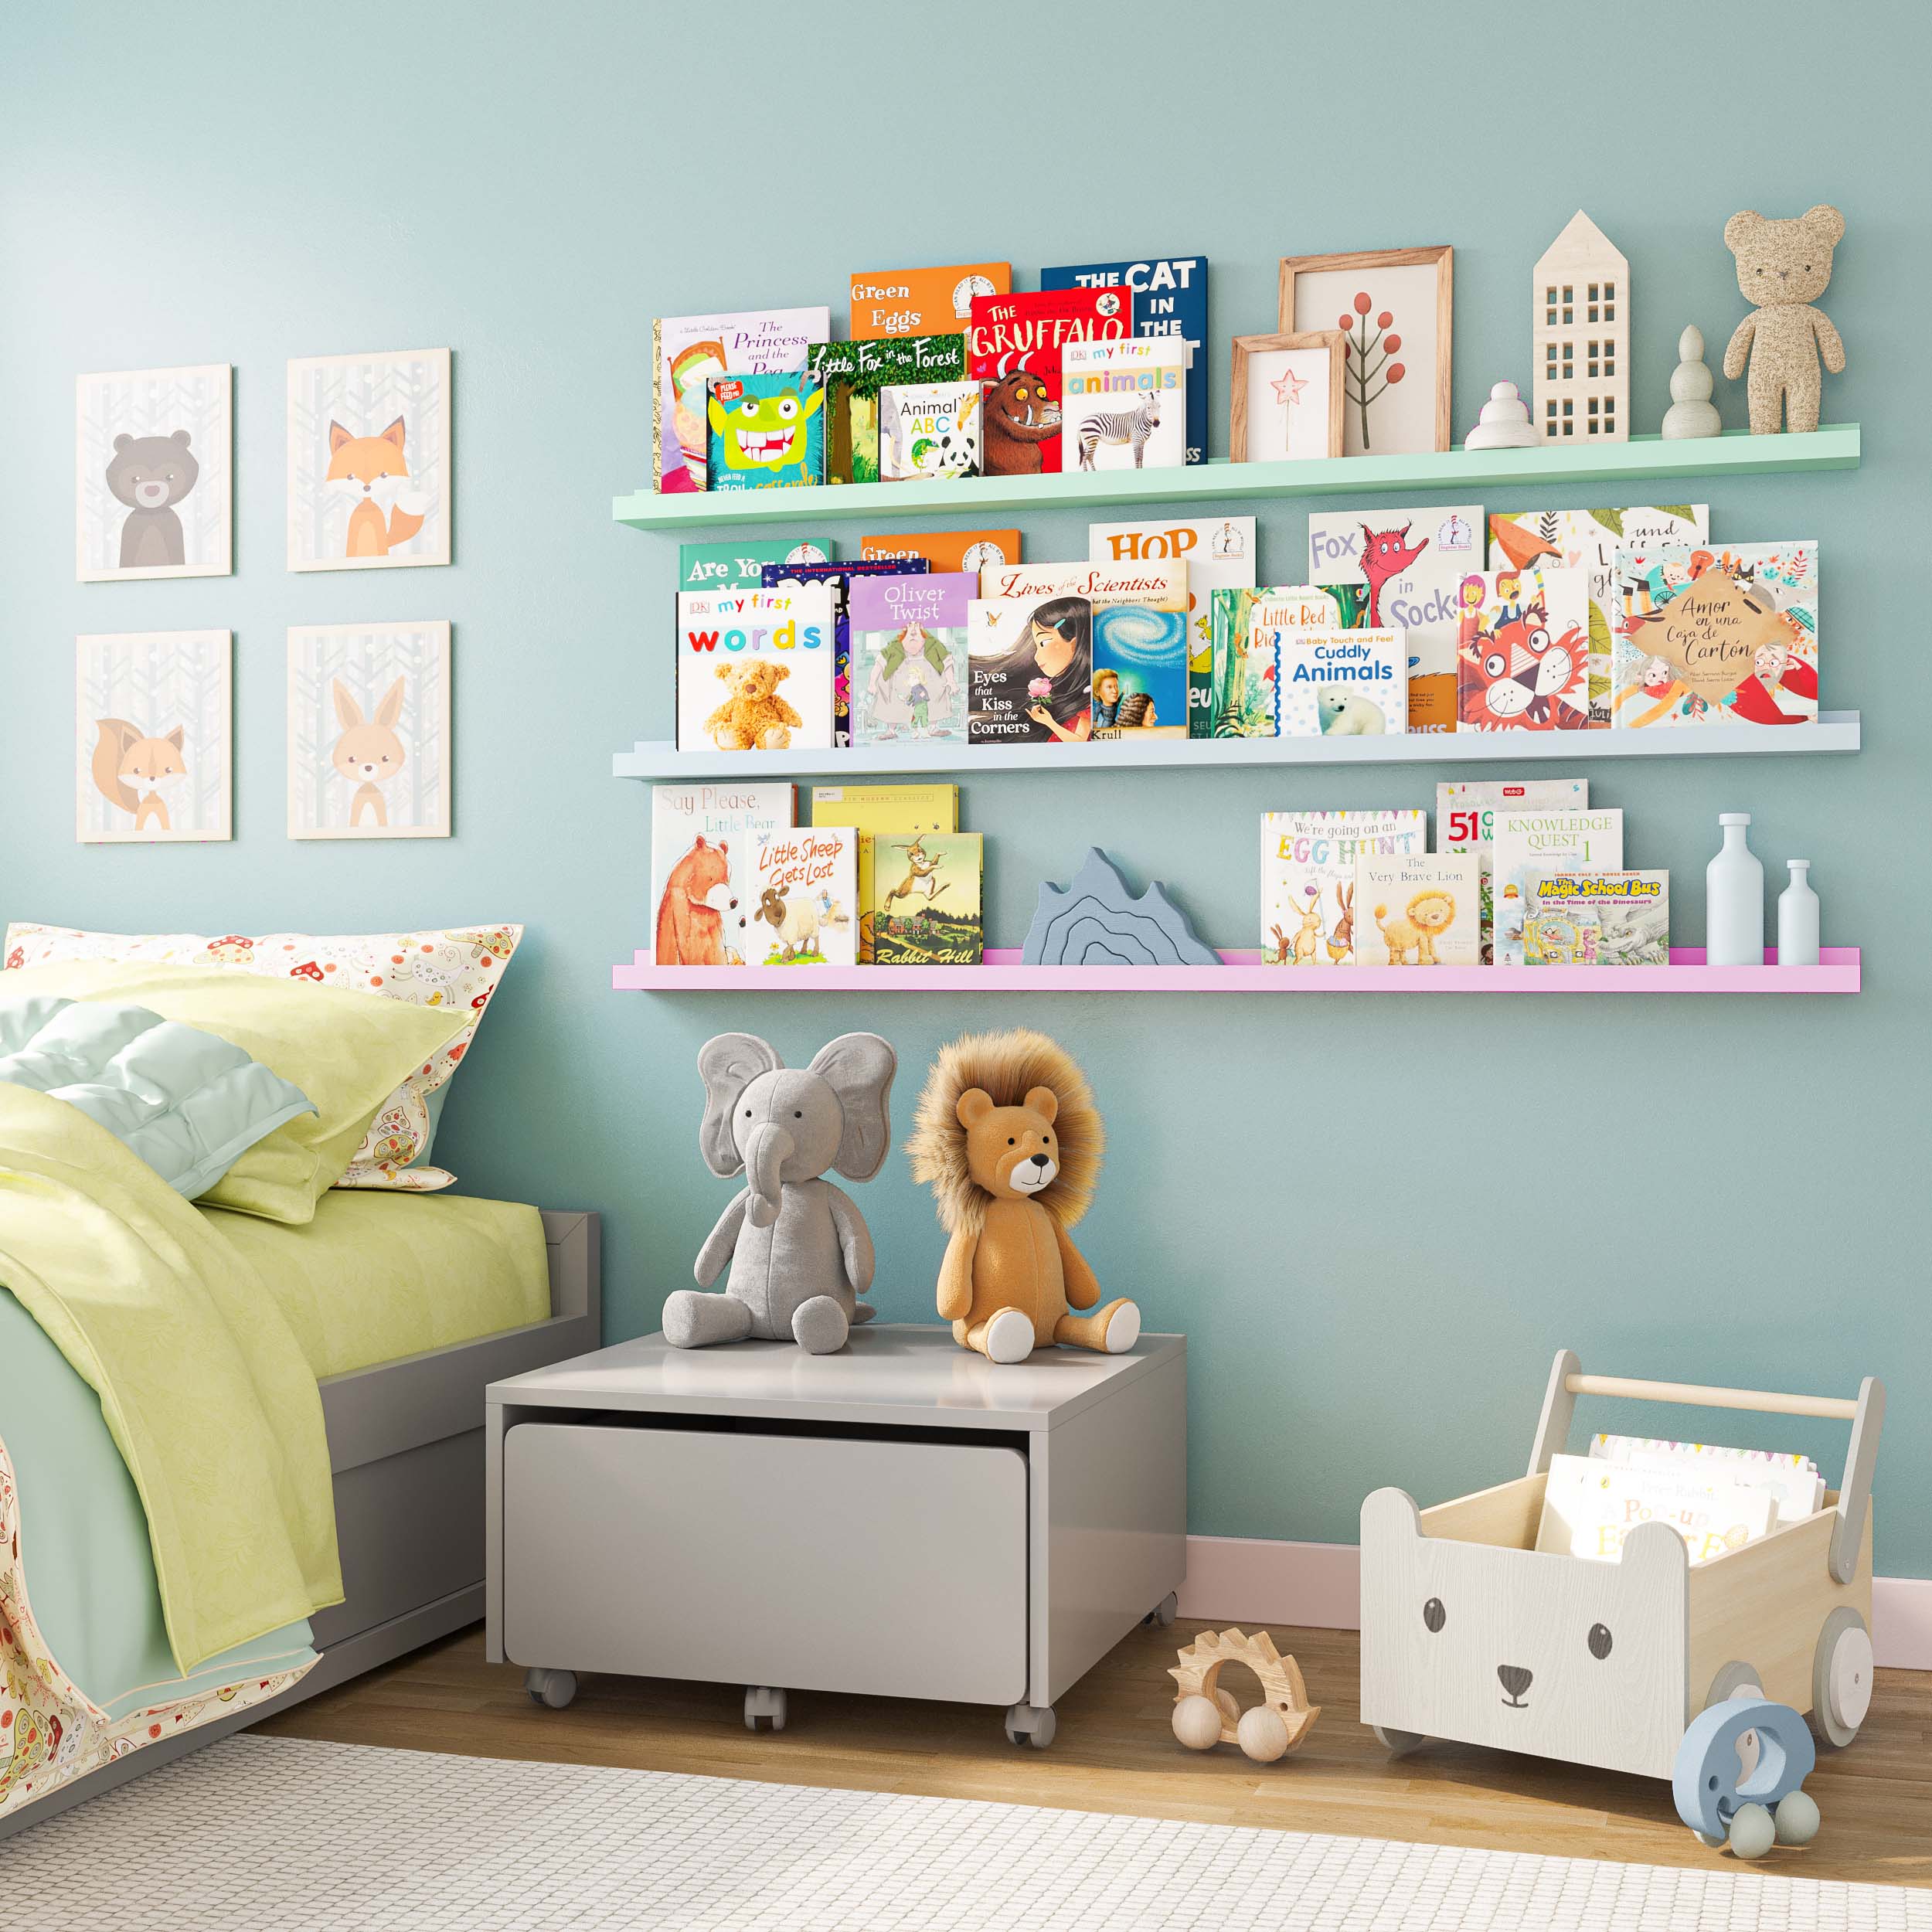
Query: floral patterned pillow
[457,968]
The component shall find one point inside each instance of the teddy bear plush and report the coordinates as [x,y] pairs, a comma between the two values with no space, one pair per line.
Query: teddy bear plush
[754,718]
[1784,266]
[1009,1139]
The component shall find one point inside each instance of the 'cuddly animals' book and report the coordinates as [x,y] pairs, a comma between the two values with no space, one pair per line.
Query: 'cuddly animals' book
[1523,660]
[767,431]
[687,350]
[1124,405]
[1413,563]
[854,373]
[1465,822]
[928,431]
[804,896]
[755,669]
[924,904]
[900,302]
[704,839]
[1420,911]
[909,670]
[872,811]
[1596,918]
[1308,861]
[973,550]
[1334,683]
[1527,842]
[837,578]
[1013,346]
[1588,540]
[1030,664]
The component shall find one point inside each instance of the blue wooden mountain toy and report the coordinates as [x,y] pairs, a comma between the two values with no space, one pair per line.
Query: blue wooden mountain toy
[1094,920]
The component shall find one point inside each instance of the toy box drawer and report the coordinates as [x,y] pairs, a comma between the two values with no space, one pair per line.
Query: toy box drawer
[892,1566]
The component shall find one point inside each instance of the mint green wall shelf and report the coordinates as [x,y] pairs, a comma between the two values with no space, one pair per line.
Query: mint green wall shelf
[1612,465]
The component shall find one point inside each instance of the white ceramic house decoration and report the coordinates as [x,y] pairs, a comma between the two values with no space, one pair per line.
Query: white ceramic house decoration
[1581,337]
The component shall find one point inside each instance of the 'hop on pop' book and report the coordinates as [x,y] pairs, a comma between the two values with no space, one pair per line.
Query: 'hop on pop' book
[1308,863]
[909,663]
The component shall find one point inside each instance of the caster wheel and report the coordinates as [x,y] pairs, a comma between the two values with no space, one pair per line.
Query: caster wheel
[764,1708]
[1842,1677]
[1398,1744]
[1033,1724]
[1162,1614]
[552,1688]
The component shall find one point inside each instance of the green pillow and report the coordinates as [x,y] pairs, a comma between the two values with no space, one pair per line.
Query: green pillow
[347,1052]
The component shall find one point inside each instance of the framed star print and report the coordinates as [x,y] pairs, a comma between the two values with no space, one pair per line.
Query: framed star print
[1289,398]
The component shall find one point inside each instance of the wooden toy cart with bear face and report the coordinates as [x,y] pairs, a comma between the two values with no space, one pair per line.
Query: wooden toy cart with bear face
[1470,1632]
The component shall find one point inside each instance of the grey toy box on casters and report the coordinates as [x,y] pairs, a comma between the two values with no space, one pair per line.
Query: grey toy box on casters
[901,1519]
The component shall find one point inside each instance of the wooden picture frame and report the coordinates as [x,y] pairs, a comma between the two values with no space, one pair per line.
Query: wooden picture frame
[155,473]
[1248,349]
[154,737]
[1332,288]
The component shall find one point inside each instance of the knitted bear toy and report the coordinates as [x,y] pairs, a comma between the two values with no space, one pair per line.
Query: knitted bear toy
[1784,266]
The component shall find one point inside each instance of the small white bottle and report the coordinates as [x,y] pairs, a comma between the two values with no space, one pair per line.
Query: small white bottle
[1797,918]
[1734,899]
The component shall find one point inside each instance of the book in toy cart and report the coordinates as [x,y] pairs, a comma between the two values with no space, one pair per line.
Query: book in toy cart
[1591,1506]
[1523,660]
[755,668]
[1030,664]
[704,839]
[1308,861]
[837,578]
[1597,919]
[910,677]
[1528,842]
[928,432]
[1244,662]
[854,375]
[805,898]
[1726,634]
[872,811]
[924,909]
[1124,405]
[1013,346]
[1465,822]
[1418,910]
[686,351]
[768,431]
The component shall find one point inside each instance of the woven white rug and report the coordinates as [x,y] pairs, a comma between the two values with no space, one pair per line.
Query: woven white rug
[272,1835]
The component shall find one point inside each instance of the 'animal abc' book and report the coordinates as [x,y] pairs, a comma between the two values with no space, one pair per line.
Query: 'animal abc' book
[767,431]
[909,669]
[1419,910]
[1124,405]
[804,898]
[924,907]
[755,669]
[703,841]
[1523,662]
[1308,861]
[928,431]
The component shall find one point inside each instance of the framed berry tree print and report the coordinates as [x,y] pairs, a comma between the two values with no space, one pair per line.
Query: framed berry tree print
[1392,307]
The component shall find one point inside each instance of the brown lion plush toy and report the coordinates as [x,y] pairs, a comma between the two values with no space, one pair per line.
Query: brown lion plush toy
[1008,1137]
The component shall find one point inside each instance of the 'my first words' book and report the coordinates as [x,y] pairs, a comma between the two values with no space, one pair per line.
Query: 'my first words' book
[756,668]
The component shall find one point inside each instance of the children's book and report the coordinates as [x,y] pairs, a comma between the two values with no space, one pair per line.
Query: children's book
[687,350]
[1170,300]
[897,302]
[1413,563]
[854,373]
[1588,540]
[1308,861]
[973,550]
[928,431]
[1726,635]
[1244,665]
[924,905]
[1030,666]
[1465,822]
[739,565]
[804,898]
[767,431]
[1531,842]
[837,578]
[1596,918]
[1523,662]
[1591,1506]
[704,840]
[1219,554]
[1124,405]
[1335,683]
[1420,910]
[756,668]
[1794,1479]
[872,811]
[1013,346]
[908,669]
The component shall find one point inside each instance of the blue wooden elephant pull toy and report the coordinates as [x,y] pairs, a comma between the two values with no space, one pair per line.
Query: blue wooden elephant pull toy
[1737,1775]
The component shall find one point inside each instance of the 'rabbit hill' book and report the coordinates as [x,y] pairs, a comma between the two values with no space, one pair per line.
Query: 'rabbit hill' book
[805,896]
[704,839]
[872,811]
[928,432]
[1588,540]
[1527,842]
[1727,636]
[1597,919]
[1421,911]
[1465,822]
[755,669]
[973,550]
[739,566]
[1170,300]
[767,431]
[1030,663]
[1413,563]
[924,909]
[854,373]
[837,578]
[909,670]
[1523,662]
[1308,861]
[1123,405]
[687,350]
[893,302]
[1013,346]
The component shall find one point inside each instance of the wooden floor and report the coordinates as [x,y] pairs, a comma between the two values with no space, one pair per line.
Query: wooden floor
[1115,1753]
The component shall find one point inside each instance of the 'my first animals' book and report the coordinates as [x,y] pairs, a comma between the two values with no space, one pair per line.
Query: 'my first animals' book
[756,669]
[1308,861]
[1013,346]
[805,898]
[687,350]
[1523,660]
[1219,554]
[1529,842]
[767,431]
[703,841]
[1465,822]
[928,432]
[1413,563]
[837,578]
[1420,911]
[898,302]
[1124,405]
[854,373]
[909,676]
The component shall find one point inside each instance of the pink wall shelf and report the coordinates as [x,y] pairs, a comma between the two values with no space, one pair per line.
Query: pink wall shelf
[1838,972]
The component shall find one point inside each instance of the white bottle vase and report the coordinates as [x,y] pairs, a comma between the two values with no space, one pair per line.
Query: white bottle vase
[1797,918]
[1734,899]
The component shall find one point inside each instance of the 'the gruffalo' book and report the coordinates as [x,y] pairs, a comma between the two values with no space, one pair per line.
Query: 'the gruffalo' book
[1013,344]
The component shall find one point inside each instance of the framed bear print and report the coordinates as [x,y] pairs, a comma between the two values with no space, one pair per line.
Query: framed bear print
[154,473]
[153,731]
[369,461]
[368,731]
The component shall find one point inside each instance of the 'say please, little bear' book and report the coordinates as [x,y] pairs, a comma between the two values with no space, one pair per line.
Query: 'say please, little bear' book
[1308,861]
[768,431]
[704,839]
[909,672]
[925,905]
[804,898]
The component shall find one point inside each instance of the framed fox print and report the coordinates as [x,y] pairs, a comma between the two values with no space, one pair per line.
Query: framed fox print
[154,473]
[369,482]
[153,738]
[368,731]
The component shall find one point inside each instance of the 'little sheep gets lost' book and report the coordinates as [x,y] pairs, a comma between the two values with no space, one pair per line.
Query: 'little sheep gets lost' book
[804,898]
[1308,865]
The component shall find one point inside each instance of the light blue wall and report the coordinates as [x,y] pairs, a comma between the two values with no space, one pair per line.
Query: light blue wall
[1375,1218]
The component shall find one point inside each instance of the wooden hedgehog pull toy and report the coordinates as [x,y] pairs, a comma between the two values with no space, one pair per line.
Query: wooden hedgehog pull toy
[1205,1714]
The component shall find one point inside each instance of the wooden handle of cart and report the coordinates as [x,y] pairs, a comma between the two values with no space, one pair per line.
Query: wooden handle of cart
[1867,1416]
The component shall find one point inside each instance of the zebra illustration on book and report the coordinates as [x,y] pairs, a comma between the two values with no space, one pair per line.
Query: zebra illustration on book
[1118,429]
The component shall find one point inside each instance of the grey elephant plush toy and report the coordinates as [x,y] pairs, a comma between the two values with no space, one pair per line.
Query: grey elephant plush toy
[801,1253]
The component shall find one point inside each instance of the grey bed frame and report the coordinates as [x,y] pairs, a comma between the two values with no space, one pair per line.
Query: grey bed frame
[406,1448]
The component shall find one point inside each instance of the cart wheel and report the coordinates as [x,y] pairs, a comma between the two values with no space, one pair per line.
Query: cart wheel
[552,1688]
[1162,1613]
[1842,1676]
[1397,1743]
[1033,1724]
[764,1708]
[1733,1680]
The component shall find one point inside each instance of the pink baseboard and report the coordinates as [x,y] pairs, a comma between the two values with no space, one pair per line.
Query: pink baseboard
[1233,1579]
